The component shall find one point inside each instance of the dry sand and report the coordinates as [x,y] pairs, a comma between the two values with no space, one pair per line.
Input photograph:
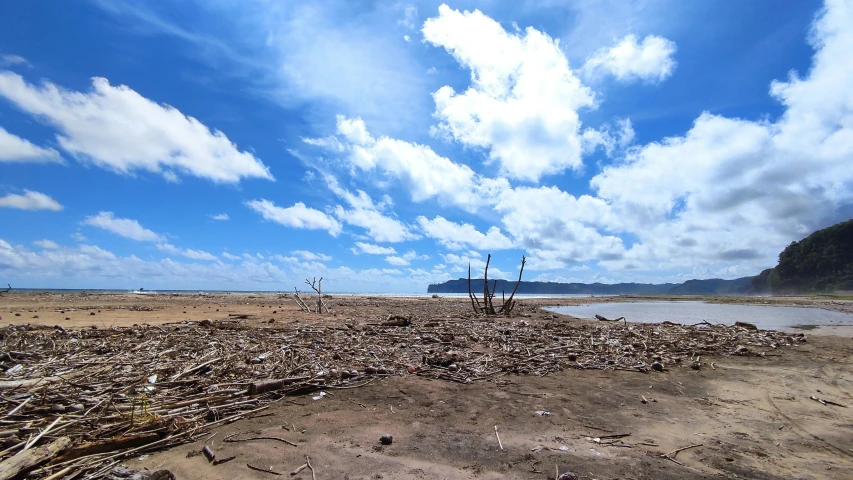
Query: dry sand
[752,415]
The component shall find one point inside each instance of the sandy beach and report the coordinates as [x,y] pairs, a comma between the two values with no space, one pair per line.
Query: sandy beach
[741,416]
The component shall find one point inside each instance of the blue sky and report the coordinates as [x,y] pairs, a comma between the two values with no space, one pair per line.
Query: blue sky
[385,146]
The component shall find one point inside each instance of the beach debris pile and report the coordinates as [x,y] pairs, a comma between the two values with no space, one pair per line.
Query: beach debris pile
[109,394]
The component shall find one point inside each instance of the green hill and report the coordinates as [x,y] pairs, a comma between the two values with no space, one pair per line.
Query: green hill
[821,262]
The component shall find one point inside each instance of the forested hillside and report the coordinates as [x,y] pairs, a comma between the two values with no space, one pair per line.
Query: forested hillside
[823,261]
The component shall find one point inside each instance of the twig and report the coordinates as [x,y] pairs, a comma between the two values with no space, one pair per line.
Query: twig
[43,432]
[499,438]
[308,462]
[226,459]
[262,469]
[299,469]
[671,455]
[231,440]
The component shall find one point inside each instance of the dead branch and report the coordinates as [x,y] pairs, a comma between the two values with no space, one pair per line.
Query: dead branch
[507,306]
[11,467]
[301,302]
[477,308]
[488,306]
[487,300]
[317,286]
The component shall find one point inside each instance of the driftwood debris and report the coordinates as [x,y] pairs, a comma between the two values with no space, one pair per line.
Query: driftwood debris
[17,464]
[107,445]
[317,286]
[488,306]
[397,321]
[605,319]
[111,390]
[121,473]
[262,386]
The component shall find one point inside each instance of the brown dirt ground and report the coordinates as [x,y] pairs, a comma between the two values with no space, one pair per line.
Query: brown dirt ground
[752,415]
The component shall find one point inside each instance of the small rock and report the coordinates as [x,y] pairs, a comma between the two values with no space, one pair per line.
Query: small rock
[17,314]
[68,318]
[370,370]
[35,316]
[453,367]
[696,366]
[58,407]
[573,357]
[386,439]
[76,407]
[657,366]
[567,476]
[206,322]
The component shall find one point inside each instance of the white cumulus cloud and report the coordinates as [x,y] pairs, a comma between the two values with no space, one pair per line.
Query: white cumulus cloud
[424,173]
[297,216]
[649,60]
[457,236]
[189,253]
[30,200]
[125,227]
[17,149]
[405,259]
[220,216]
[117,128]
[371,249]
[523,102]
[311,256]
[46,244]
[365,213]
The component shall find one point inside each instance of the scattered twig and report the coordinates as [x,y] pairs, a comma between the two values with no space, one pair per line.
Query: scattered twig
[671,455]
[270,470]
[499,438]
[278,439]
[308,462]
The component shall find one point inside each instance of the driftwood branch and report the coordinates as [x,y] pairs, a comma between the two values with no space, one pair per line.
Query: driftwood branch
[13,466]
[507,306]
[317,286]
[488,305]
[300,302]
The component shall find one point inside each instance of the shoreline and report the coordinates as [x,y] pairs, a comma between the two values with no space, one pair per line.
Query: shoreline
[128,308]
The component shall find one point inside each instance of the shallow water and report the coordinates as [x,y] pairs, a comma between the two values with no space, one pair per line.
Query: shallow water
[764,317]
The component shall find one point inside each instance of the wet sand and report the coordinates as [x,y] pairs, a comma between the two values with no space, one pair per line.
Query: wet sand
[753,416]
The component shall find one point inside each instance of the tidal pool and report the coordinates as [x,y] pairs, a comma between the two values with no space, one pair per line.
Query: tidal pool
[690,312]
